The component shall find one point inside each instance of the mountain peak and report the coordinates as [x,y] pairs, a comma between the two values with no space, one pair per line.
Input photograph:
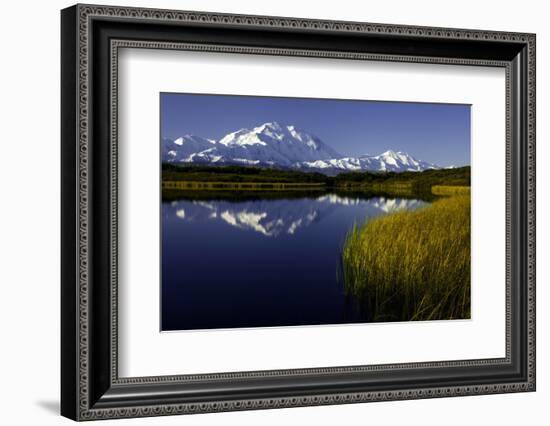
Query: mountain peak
[271,129]
[274,125]
[280,145]
[391,153]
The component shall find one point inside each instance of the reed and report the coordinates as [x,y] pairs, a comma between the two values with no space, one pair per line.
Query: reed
[412,265]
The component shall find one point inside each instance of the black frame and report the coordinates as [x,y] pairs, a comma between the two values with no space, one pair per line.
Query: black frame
[90,386]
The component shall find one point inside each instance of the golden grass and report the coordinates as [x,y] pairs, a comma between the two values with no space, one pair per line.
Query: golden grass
[412,265]
[450,190]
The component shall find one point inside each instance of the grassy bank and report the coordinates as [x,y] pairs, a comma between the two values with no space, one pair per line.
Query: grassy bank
[417,181]
[412,265]
[237,178]
[241,186]
[444,190]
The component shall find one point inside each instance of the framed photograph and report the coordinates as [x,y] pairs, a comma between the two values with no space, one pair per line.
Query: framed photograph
[263,212]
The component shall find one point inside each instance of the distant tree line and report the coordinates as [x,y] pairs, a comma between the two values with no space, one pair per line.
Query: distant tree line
[419,181]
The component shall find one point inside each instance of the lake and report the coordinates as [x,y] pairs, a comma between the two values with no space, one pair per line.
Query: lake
[248,260]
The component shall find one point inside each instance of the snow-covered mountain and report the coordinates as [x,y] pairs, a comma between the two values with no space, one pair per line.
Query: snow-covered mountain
[275,145]
[185,147]
[389,161]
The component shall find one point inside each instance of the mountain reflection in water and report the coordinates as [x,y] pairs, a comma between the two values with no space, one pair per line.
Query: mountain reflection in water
[260,260]
[273,218]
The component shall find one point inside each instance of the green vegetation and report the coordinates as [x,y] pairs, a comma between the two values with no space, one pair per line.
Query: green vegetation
[227,177]
[450,190]
[240,186]
[412,265]
[415,182]
[195,173]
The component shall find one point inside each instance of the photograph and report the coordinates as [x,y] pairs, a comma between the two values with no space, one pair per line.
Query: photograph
[265,209]
[280,211]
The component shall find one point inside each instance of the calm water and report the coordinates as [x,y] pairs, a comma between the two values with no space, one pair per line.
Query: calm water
[260,262]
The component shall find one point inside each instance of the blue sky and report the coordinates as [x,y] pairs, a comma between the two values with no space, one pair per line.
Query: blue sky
[438,133]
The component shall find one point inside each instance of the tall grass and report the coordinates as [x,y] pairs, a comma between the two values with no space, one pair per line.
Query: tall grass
[412,265]
[450,190]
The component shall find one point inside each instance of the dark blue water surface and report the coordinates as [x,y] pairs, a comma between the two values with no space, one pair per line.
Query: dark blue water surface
[260,262]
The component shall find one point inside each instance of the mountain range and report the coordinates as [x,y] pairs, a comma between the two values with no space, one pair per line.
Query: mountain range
[281,146]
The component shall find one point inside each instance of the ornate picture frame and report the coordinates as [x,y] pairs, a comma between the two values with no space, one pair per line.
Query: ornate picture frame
[91,37]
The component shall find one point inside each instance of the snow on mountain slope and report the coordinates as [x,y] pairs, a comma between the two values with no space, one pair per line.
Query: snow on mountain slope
[272,144]
[389,161]
[398,161]
[183,147]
